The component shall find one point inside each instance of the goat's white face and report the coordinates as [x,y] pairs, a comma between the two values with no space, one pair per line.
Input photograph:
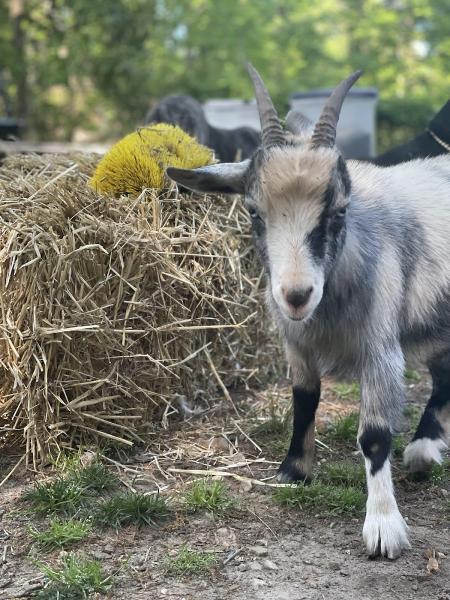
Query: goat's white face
[296,189]
[297,204]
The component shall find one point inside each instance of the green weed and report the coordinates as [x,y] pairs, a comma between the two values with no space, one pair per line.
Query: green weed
[131,508]
[95,477]
[60,496]
[60,534]
[345,428]
[343,473]
[347,390]
[412,375]
[322,498]
[190,562]
[208,495]
[77,578]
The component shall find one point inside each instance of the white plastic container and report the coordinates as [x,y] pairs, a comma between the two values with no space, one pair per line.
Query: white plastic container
[229,114]
[357,126]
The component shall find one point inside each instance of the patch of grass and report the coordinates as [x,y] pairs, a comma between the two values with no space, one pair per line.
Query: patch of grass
[398,445]
[76,579]
[275,425]
[60,534]
[345,428]
[131,508]
[439,473]
[66,461]
[60,496]
[322,498]
[414,414]
[190,562]
[343,473]
[95,477]
[412,375]
[347,390]
[208,495]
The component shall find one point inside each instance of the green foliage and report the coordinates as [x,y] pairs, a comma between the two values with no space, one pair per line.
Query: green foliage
[61,534]
[67,494]
[413,413]
[62,496]
[95,477]
[131,508]
[189,562]
[345,429]
[412,375]
[398,445]
[77,578]
[347,390]
[208,495]
[440,473]
[64,69]
[343,473]
[322,498]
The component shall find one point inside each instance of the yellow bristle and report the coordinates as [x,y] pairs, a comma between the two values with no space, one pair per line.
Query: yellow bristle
[139,160]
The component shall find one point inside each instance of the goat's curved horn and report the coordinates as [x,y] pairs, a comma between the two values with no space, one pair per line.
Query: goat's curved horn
[324,134]
[271,130]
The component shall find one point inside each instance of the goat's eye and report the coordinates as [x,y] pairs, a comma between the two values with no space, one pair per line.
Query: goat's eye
[253,212]
[340,214]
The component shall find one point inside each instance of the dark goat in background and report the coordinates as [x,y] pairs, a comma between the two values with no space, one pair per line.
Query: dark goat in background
[184,111]
[435,140]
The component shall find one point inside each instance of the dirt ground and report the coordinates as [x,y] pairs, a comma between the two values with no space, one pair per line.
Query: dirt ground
[271,552]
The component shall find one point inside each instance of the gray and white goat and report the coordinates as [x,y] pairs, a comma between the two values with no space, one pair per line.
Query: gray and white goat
[358,263]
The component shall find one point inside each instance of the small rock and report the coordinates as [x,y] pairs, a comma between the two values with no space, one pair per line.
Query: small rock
[334,566]
[163,591]
[246,486]
[258,550]
[255,566]
[99,554]
[226,537]
[219,443]
[269,564]
[109,548]
[258,583]
[307,562]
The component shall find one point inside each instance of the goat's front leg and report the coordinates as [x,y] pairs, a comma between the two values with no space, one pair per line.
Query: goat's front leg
[385,531]
[299,461]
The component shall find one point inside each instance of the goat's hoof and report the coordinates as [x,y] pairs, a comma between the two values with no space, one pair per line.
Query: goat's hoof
[385,534]
[290,471]
[421,454]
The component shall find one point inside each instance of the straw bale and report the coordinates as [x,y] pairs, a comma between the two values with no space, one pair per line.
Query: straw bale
[112,309]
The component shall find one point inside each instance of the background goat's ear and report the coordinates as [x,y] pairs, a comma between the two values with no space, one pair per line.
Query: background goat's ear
[224,178]
[297,123]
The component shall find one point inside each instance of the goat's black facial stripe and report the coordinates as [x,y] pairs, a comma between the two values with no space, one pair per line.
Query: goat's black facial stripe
[375,443]
[305,406]
[344,176]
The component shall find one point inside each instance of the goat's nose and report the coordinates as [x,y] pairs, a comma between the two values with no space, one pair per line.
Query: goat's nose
[297,297]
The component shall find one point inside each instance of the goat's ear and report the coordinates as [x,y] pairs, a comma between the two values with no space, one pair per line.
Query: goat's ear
[297,123]
[224,178]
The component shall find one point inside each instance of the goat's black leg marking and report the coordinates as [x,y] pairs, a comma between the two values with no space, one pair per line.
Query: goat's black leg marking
[297,465]
[384,531]
[375,443]
[434,427]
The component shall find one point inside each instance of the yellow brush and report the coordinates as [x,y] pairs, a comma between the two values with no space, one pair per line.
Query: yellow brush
[139,160]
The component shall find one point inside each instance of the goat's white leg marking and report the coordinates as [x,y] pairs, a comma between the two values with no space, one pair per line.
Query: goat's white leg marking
[420,454]
[385,530]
